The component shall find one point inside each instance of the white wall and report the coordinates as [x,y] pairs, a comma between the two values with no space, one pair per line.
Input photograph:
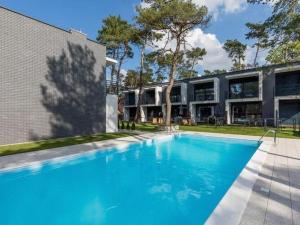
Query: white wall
[111,113]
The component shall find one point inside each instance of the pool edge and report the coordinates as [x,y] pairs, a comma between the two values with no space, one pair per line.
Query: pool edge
[230,209]
[36,158]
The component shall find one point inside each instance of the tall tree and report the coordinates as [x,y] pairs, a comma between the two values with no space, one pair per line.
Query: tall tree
[283,29]
[132,79]
[175,19]
[236,51]
[283,53]
[257,31]
[143,38]
[192,58]
[117,35]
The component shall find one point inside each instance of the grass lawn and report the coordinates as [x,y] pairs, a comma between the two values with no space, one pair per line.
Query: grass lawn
[254,131]
[54,143]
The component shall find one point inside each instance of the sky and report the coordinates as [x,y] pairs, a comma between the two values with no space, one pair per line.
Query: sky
[229,18]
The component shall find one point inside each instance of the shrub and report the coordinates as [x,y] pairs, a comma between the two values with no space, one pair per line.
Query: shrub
[128,126]
[133,126]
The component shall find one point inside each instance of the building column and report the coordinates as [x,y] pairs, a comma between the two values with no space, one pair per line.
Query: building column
[126,113]
[228,111]
[276,111]
[164,112]
[144,114]
[260,86]
[193,112]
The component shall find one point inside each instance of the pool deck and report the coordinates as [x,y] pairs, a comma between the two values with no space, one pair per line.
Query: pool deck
[274,199]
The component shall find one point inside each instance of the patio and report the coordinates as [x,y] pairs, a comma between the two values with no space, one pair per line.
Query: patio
[275,198]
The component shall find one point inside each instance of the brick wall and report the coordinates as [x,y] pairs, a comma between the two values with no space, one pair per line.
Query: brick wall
[52,81]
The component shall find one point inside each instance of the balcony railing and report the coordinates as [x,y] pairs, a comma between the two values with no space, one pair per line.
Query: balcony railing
[244,94]
[148,101]
[129,101]
[173,98]
[290,89]
[204,95]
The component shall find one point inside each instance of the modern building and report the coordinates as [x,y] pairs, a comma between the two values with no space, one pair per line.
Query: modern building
[153,102]
[52,81]
[266,95]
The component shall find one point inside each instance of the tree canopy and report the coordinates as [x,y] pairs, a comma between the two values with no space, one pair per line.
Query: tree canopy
[236,51]
[117,35]
[283,29]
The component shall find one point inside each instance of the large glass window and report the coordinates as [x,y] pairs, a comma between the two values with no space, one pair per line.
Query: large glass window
[243,88]
[246,112]
[130,98]
[204,92]
[175,95]
[288,83]
[149,97]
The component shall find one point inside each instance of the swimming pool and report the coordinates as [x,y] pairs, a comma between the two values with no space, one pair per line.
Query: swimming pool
[172,180]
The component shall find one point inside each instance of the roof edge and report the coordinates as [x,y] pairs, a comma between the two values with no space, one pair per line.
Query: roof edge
[45,23]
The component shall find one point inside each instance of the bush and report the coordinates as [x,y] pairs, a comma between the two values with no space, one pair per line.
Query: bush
[133,126]
[122,125]
[128,126]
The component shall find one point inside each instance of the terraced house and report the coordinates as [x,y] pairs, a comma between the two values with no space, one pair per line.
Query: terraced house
[268,95]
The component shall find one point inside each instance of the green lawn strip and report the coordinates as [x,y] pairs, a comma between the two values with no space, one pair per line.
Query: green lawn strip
[54,143]
[146,127]
[252,131]
[241,130]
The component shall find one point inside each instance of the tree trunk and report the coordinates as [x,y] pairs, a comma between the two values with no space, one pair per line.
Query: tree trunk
[171,82]
[113,68]
[138,113]
[256,54]
[119,70]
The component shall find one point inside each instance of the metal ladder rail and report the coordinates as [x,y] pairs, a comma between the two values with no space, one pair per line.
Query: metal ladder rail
[273,131]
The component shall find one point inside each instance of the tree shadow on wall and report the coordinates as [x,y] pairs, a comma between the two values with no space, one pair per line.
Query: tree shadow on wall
[74,94]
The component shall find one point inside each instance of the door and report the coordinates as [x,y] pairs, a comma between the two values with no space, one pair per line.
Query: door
[203,113]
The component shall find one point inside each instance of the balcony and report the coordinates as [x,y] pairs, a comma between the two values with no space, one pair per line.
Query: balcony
[129,102]
[175,95]
[244,88]
[173,98]
[148,101]
[130,99]
[204,95]
[148,97]
[287,89]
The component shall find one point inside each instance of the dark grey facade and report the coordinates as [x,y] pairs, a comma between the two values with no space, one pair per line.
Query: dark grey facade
[260,96]
[52,81]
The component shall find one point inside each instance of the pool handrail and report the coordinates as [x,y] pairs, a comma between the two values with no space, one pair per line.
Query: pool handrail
[268,131]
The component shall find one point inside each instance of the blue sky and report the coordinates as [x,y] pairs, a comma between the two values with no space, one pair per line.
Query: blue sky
[229,21]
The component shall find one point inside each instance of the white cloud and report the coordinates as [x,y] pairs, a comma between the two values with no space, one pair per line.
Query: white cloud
[216,57]
[123,72]
[227,6]
[217,6]
[250,55]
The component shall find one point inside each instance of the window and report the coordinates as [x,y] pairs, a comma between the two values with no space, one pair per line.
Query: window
[243,88]
[204,92]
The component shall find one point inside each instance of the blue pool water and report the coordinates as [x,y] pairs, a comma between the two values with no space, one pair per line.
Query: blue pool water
[172,181]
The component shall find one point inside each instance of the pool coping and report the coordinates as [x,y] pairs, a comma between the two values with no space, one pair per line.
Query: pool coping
[231,206]
[36,158]
[230,209]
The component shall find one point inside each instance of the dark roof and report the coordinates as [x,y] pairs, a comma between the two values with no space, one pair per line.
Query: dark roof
[56,27]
